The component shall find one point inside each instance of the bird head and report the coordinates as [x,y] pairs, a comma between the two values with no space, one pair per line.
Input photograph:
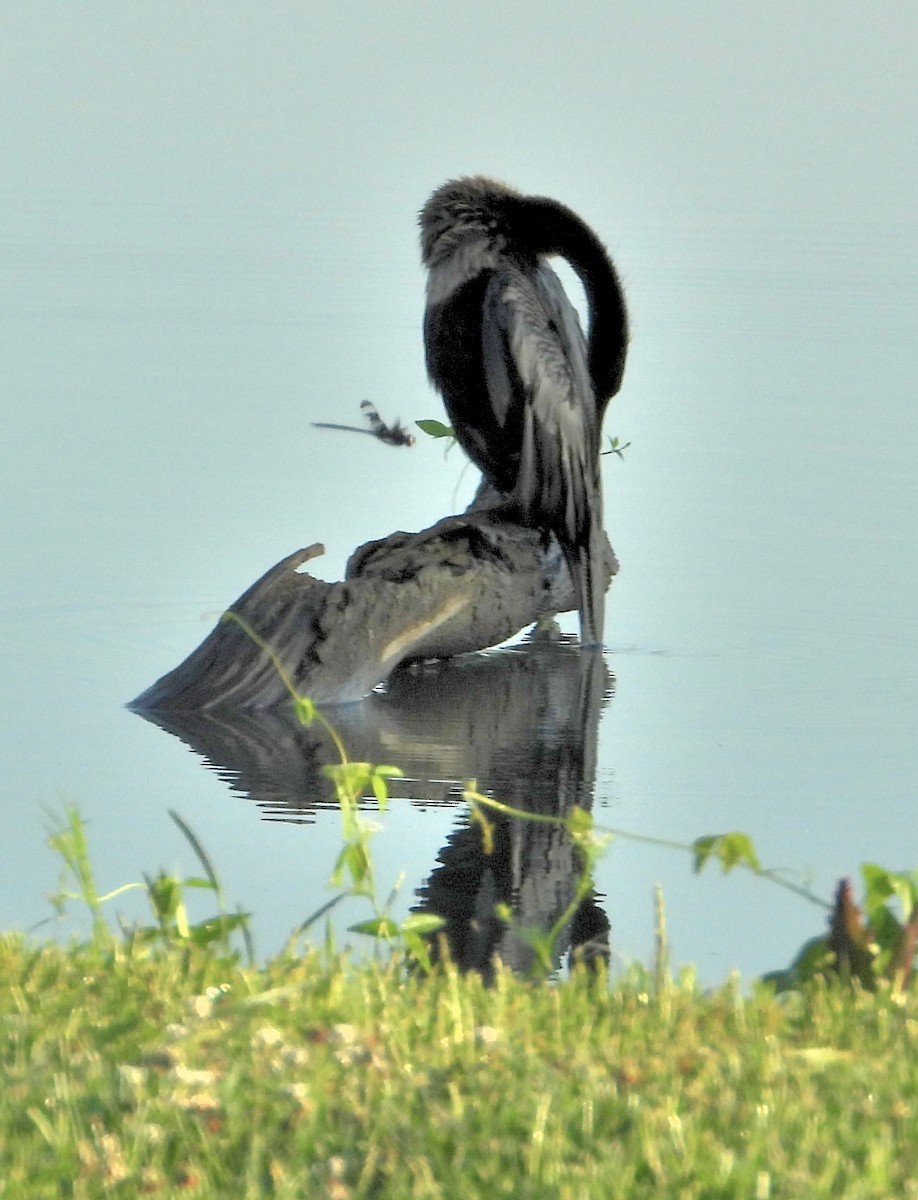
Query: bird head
[465,213]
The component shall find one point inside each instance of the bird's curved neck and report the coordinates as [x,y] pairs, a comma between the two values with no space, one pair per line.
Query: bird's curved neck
[555,229]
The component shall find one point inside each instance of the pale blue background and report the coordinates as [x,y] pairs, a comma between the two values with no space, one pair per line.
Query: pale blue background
[207,240]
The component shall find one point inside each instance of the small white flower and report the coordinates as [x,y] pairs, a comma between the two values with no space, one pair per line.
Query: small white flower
[267,1036]
[202,1006]
[193,1078]
[486,1035]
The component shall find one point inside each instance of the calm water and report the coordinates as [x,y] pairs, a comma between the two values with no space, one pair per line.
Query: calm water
[207,241]
[763,655]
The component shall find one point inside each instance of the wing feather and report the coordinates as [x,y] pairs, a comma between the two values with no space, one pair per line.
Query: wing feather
[537,373]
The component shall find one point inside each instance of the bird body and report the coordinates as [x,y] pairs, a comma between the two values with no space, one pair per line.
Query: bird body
[524,389]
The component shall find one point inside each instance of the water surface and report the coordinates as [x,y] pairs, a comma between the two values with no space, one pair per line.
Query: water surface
[194,269]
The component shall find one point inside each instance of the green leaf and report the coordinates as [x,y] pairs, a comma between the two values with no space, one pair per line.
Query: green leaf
[886,934]
[877,885]
[378,778]
[355,859]
[216,929]
[435,429]
[614,446]
[165,894]
[419,923]
[304,709]
[378,927]
[881,885]
[420,951]
[353,778]
[579,822]
[729,849]
[813,959]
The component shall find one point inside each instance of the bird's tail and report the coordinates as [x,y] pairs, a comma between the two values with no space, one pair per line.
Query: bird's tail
[584,561]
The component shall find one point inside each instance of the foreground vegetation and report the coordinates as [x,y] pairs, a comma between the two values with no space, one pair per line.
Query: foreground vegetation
[162,1060]
[173,1070]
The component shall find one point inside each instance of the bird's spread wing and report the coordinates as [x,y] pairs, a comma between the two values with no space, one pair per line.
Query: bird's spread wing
[536,367]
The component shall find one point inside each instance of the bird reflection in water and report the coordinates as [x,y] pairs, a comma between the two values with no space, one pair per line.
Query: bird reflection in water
[522,722]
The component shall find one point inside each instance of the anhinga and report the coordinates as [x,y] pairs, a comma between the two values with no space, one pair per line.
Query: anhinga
[525,391]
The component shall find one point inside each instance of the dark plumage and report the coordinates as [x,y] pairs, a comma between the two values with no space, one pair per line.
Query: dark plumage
[525,391]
